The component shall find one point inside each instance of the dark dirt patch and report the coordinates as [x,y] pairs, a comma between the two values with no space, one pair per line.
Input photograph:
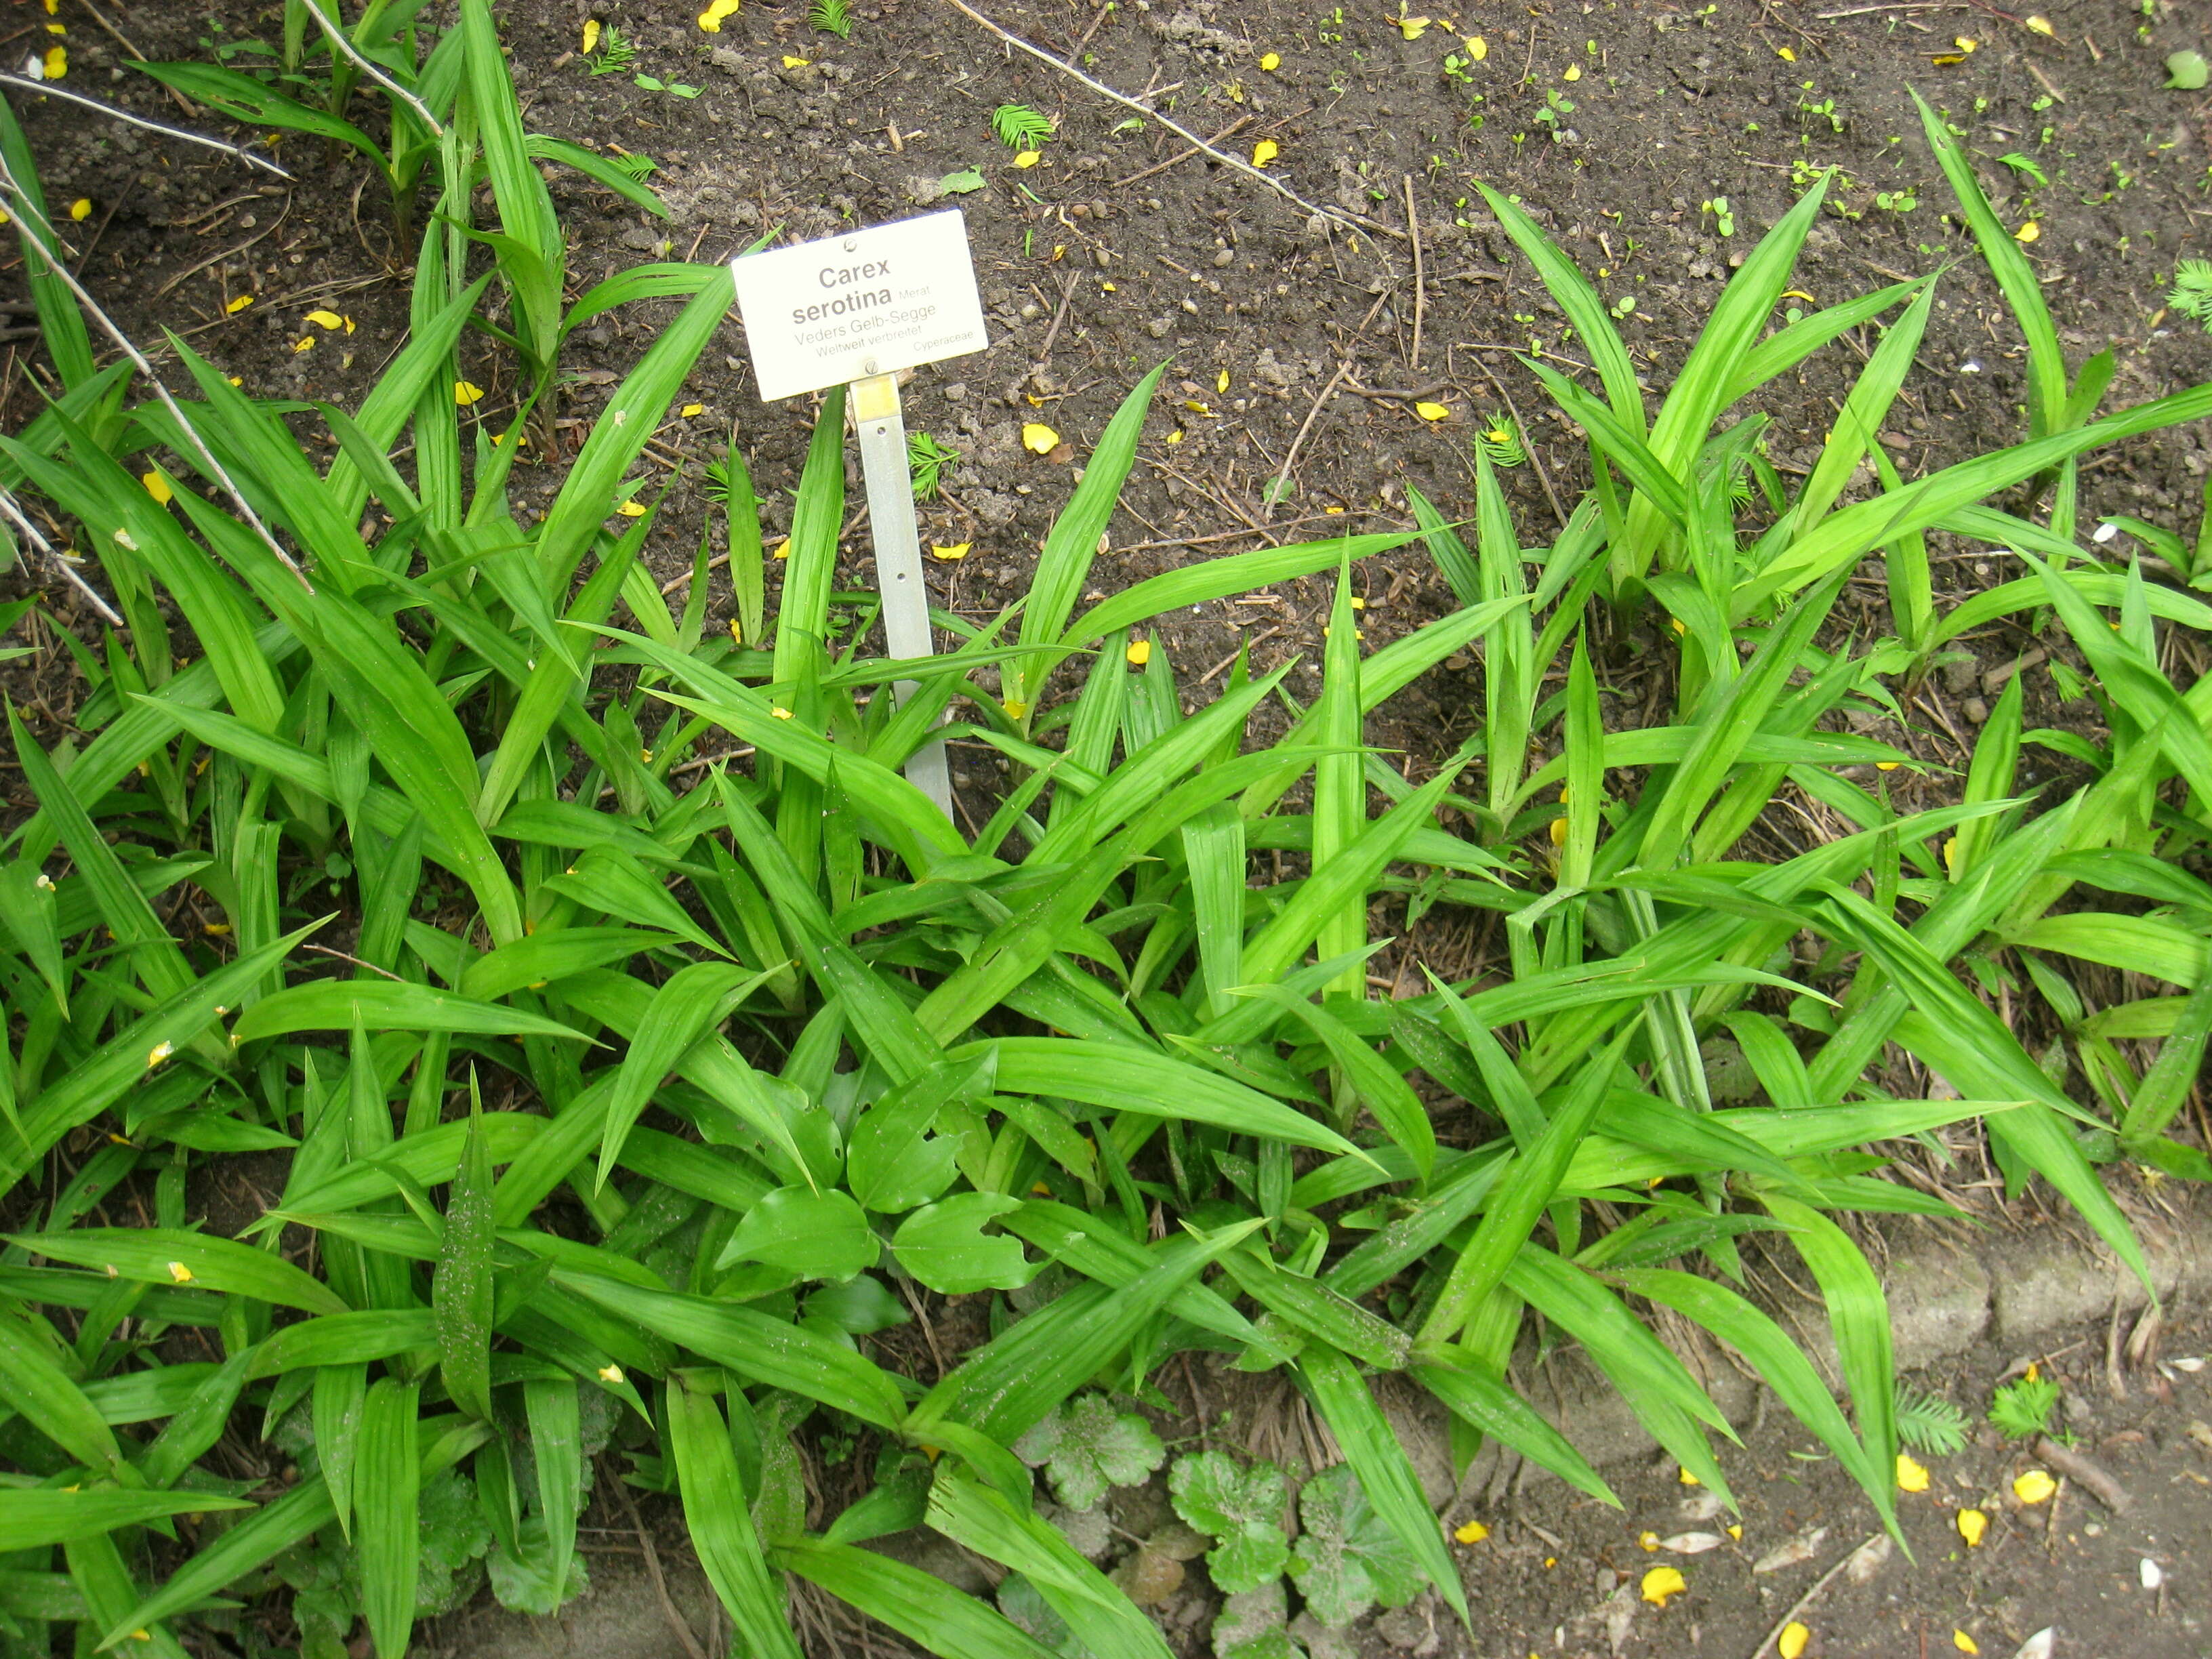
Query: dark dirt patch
[2070,1564]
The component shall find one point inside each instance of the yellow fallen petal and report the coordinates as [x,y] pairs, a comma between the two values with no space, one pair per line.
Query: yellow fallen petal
[1477,47]
[238,305]
[1736,1532]
[1964,44]
[611,1374]
[691,411]
[1473,1532]
[1271,61]
[1791,1644]
[1559,832]
[325,319]
[157,487]
[1965,1642]
[1265,151]
[1015,710]
[1431,411]
[466,393]
[1028,158]
[2034,1487]
[55,64]
[2029,232]
[81,210]
[2034,1372]
[1884,766]
[180,1274]
[1039,439]
[305,343]
[789,62]
[1221,381]
[591,35]
[1176,436]
[958,550]
[1647,1541]
[632,509]
[781,713]
[1972,1524]
[1951,853]
[1139,653]
[1412,28]
[158,1052]
[2038,25]
[1574,72]
[1661,1583]
[783,548]
[1685,1477]
[1786,54]
[1910,1475]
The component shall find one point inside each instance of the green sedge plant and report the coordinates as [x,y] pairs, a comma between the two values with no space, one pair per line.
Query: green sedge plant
[672,1048]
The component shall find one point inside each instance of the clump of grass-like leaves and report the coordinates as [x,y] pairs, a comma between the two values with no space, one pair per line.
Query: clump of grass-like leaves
[672,1046]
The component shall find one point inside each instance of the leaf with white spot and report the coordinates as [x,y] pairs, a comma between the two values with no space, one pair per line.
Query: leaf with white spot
[1086,1446]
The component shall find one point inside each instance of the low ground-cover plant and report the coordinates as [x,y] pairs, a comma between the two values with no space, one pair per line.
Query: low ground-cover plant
[669,1051]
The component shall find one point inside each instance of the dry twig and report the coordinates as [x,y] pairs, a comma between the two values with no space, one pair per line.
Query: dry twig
[1269,502]
[15,516]
[48,89]
[1273,183]
[340,44]
[39,235]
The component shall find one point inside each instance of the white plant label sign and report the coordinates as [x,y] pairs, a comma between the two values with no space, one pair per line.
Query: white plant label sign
[867,302]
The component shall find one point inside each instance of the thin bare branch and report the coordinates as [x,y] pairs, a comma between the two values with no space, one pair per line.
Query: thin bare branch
[48,89]
[340,44]
[1271,180]
[15,515]
[39,235]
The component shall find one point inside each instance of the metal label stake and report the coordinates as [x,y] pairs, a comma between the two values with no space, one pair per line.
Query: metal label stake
[882,424]
[858,307]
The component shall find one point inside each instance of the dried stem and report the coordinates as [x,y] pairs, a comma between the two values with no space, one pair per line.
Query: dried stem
[340,44]
[39,235]
[1182,132]
[16,516]
[48,89]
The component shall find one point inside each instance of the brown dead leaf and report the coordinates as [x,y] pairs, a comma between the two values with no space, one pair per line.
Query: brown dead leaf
[1791,1552]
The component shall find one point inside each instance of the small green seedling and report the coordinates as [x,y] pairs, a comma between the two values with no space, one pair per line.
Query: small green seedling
[832,17]
[1020,127]
[2021,1408]
[928,458]
[1928,1423]
[616,53]
[1724,217]
[1500,436]
[2192,290]
[2021,164]
[2187,71]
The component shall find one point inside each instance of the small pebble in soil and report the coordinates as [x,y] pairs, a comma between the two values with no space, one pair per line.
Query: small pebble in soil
[1975,710]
